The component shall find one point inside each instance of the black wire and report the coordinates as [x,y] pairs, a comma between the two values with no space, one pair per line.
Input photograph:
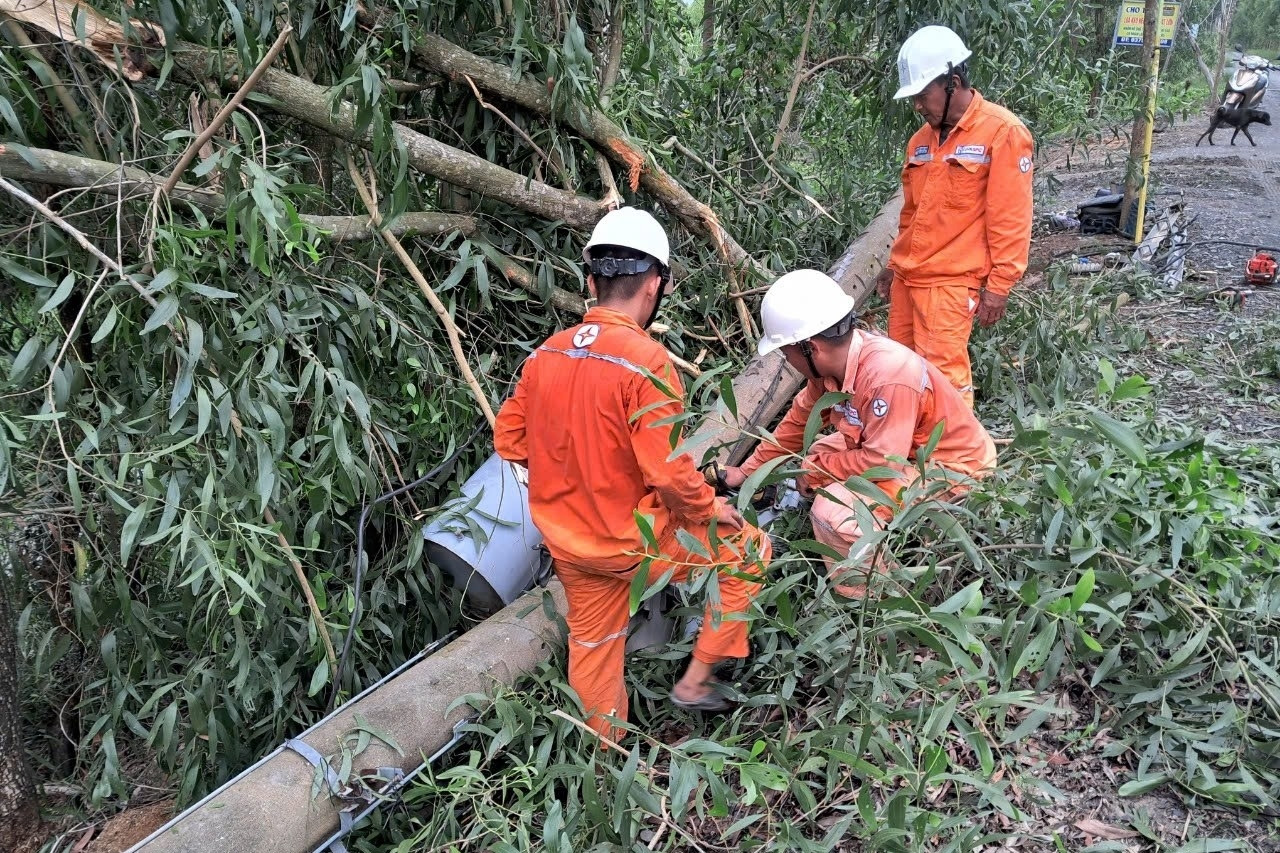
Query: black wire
[1191,244]
[360,562]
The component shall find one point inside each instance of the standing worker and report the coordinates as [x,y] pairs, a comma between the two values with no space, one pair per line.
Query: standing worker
[894,401]
[965,229]
[586,420]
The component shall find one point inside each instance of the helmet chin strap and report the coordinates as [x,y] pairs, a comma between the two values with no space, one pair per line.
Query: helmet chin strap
[664,276]
[943,128]
[657,304]
[806,349]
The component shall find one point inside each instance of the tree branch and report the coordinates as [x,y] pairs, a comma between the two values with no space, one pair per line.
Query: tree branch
[848,57]
[70,170]
[312,605]
[79,237]
[446,58]
[451,328]
[565,180]
[315,105]
[225,113]
[796,80]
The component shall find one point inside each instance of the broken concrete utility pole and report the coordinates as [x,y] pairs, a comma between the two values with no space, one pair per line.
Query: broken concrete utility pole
[271,808]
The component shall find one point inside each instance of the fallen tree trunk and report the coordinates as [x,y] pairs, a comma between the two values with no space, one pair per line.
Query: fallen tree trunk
[71,170]
[313,104]
[74,22]
[445,57]
[767,384]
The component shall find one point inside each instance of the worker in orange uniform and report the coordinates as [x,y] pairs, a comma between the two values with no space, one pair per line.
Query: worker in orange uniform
[895,400]
[586,420]
[965,228]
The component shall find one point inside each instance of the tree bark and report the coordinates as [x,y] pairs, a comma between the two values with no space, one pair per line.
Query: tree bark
[1137,141]
[1224,36]
[446,58]
[19,808]
[708,26]
[72,170]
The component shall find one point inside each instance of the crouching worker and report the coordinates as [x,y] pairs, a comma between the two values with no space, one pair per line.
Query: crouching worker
[586,419]
[895,400]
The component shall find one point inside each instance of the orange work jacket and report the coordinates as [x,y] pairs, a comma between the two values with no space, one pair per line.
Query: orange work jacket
[967,212]
[583,420]
[896,399]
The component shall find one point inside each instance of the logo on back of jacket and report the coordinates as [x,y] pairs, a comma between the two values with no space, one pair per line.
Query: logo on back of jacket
[586,336]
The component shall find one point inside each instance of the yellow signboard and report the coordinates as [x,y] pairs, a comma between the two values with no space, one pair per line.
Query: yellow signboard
[1129,24]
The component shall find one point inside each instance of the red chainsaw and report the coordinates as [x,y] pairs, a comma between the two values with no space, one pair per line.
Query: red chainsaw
[1261,269]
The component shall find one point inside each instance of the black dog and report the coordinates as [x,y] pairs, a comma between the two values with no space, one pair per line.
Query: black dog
[1238,118]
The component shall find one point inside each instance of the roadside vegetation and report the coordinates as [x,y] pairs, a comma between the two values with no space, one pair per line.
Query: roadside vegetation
[196,410]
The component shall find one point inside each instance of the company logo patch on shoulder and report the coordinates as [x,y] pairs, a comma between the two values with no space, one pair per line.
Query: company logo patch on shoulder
[586,336]
[879,407]
[1024,165]
[976,150]
[921,151]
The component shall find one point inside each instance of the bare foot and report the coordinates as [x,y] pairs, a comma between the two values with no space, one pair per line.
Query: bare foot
[690,691]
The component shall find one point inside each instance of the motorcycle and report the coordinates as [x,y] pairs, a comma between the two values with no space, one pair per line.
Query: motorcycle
[1248,85]
[1242,100]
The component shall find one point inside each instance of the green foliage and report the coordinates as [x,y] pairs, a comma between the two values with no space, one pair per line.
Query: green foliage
[141,447]
[1128,562]
[1256,27]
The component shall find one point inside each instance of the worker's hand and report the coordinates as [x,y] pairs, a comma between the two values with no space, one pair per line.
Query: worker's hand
[991,307]
[733,476]
[727,515]
[804,485]
[884,281]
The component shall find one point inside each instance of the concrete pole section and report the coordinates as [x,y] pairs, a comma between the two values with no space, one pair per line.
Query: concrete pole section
[271,809]
[767,384]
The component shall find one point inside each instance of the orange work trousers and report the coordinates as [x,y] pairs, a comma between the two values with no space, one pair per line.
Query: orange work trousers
[935,321]
[835,524]
[599,612]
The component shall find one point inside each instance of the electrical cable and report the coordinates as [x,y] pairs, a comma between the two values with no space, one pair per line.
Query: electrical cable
[336,684]
[216,792]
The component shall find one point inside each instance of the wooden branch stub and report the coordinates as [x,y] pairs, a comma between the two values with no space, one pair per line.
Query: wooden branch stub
[103,36]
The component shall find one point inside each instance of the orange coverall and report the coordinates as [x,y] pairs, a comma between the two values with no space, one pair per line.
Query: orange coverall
[896,399]
[965,225]
[582,420]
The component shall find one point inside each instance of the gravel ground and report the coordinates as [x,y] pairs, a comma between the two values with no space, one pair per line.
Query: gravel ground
[1213,363]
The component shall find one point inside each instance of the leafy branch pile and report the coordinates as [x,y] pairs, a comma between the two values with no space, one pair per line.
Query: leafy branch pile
[1100,616]
[210,369]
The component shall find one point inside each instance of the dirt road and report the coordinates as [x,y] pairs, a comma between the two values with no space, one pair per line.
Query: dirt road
[1233,192]
[1213,363]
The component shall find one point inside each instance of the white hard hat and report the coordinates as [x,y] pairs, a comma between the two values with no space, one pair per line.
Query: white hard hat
[925,56]
[631,229]
[800,305]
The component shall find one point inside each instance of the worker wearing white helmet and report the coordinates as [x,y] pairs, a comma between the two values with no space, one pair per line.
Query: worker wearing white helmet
[965,229]
[591,418]
[893,402]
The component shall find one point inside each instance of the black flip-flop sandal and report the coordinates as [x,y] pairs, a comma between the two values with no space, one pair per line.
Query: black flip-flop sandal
[712,703]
